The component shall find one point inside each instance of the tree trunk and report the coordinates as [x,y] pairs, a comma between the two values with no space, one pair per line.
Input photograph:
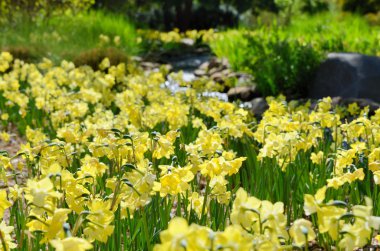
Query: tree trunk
[166,14]
[184,11]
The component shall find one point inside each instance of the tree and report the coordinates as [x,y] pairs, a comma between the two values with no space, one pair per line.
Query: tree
[182,13]
[361,6]
[315,6]
[44,9]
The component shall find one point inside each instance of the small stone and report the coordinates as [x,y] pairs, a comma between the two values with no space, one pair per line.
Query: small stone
[226,72]
[200,72]
[215,69]
[243,93]
[213,63]
[217,76]
[225,62]
[258,106]
[188,41]
[204,66]
[136,58]
[149,65]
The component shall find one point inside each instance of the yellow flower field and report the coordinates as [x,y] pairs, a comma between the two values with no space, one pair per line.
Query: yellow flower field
[115,161]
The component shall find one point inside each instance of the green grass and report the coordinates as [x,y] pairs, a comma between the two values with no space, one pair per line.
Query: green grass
[337,31]
[67,36]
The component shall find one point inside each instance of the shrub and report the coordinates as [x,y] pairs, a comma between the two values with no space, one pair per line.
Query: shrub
[279,64]
[282,65]
[23,53]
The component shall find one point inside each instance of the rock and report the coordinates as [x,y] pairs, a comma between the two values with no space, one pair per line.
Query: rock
[347,75]
[200,72]
[334,101]
[213,63]
[339,101]
[244,79]
[244,93]
[150,65]
[258,106]
[233,75]
[225,63]
[137,58]
[167,67]
[188,61]
[362,102]
[220,71]
[217,77]
[204,66]
[226,72]
[215,70]
[188,41]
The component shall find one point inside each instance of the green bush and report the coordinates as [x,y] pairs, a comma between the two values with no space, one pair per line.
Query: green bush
[94,57]
[279,64]
[283,65]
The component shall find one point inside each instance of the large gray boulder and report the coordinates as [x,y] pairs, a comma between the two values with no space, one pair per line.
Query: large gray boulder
[347,75]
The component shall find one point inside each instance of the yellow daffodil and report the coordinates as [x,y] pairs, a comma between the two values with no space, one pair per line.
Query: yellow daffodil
[4,203]
[40,193]
[175,237]
[353,108]
[6,237]
[99,221]
[245,211]
[302,232]
[164,146]
[71,244]
[234,238]
[317,158]
[312,203]
[56,222]
[174,180]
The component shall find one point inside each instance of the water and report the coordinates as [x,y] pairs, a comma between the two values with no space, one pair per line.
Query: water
[189,76]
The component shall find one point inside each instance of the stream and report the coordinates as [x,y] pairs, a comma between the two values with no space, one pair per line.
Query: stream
[188,64]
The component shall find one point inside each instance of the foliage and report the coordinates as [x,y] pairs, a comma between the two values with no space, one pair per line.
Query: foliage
[40,9]
[360,6]
[54,39]
[94,57]
[279,64]
[315,6]
[156,42]
[117,161]
[283,59]
[189,14]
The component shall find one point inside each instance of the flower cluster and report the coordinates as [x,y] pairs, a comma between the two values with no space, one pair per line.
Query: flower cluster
[261,225]
[111,156]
